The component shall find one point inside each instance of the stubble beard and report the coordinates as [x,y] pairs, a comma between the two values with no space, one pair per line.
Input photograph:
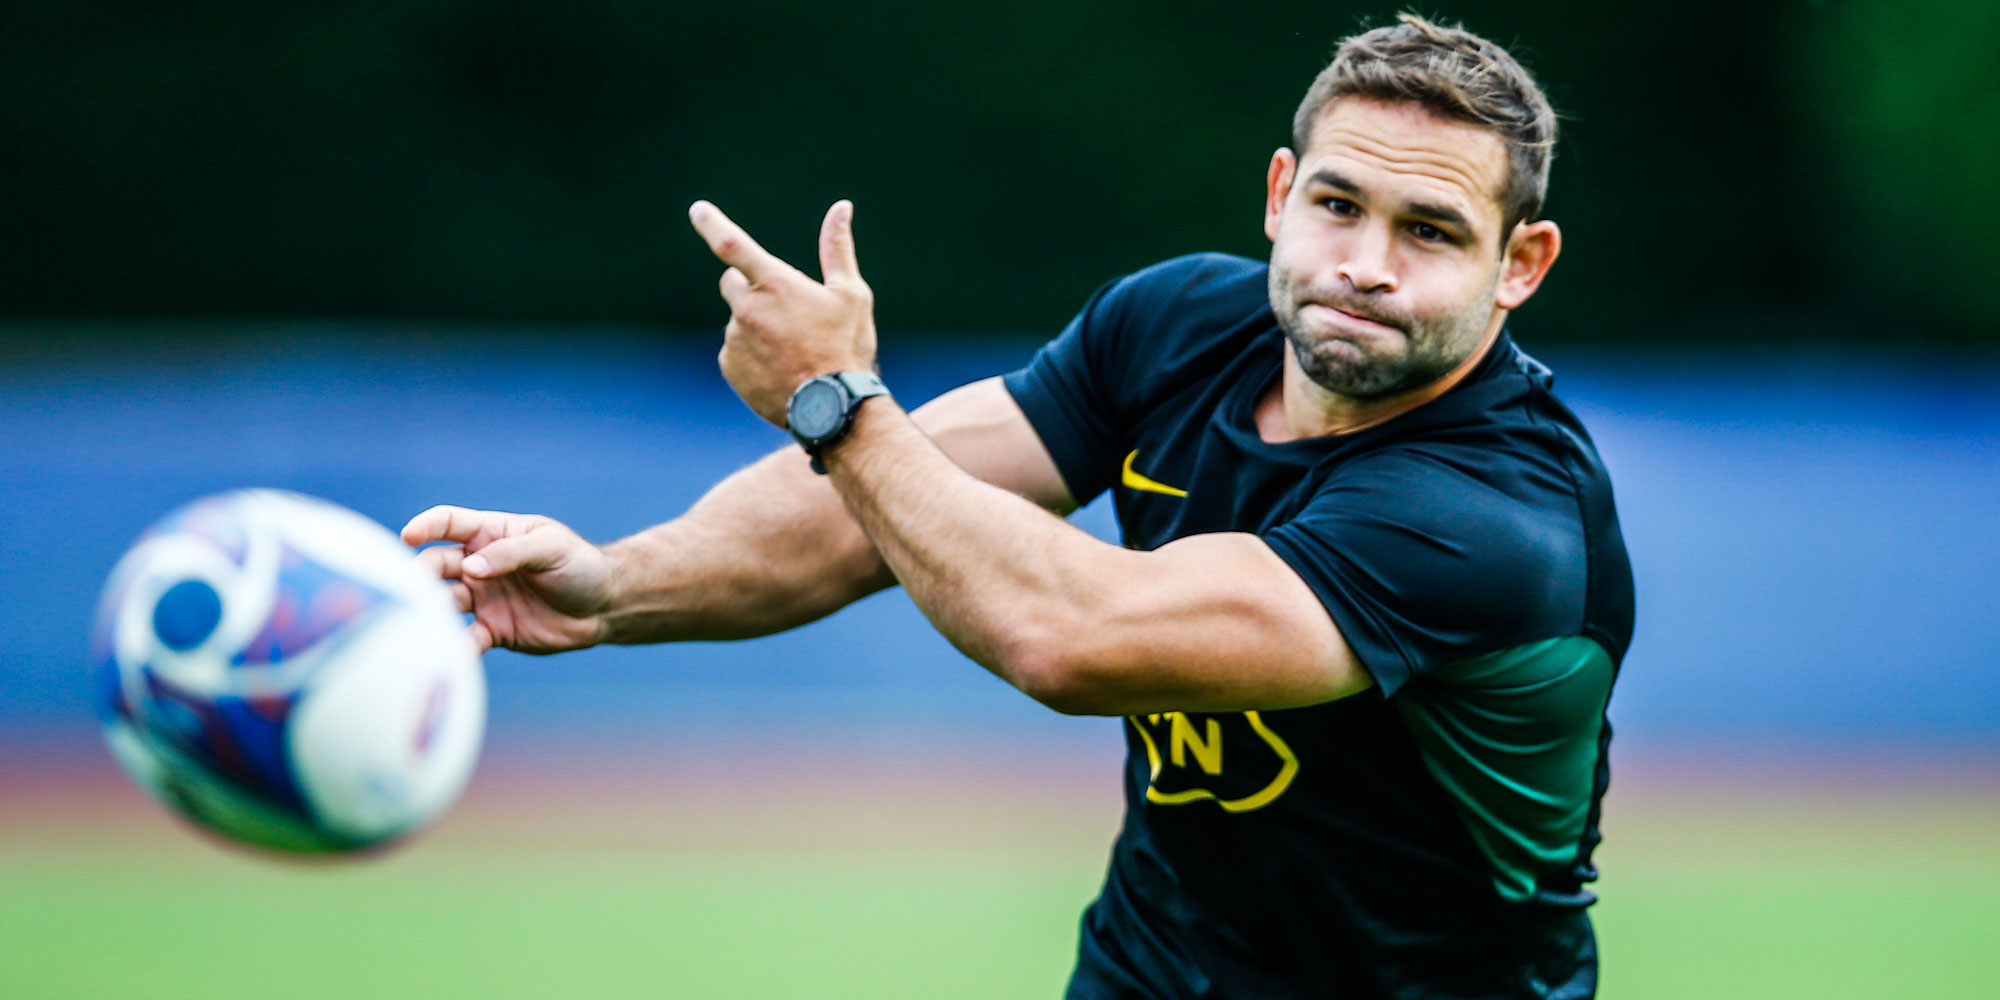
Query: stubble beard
[1432,346]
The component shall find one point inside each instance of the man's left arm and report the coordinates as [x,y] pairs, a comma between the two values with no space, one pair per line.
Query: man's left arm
[1212,622]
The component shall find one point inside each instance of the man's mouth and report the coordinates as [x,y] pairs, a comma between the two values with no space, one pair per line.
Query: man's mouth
[1355,320]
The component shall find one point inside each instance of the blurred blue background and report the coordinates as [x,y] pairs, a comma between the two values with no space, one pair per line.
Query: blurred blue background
[1813,533]
[467,219]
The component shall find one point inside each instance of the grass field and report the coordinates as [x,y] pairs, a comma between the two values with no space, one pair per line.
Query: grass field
[775,885]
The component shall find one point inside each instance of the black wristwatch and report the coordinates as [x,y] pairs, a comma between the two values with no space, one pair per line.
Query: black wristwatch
[822,409]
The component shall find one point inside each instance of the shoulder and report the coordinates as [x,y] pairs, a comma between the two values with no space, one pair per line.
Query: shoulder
[1509,511]
[1139,340]
[1499,463]
[1182,319]
[1186,290]
[1200,273]
[1503,436]
[1427,551]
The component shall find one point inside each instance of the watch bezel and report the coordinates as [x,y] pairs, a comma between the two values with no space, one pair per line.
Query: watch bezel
[851,389]
[837,417]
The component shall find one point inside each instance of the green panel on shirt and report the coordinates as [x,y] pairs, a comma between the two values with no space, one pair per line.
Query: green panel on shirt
[1513,737]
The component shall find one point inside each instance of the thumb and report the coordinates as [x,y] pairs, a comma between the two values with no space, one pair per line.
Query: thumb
[539,549]
[837,263]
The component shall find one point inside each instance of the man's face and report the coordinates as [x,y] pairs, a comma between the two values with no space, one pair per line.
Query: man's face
[1385,246]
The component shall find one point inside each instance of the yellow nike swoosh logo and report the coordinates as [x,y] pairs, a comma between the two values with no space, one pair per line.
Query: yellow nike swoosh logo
[1144,485]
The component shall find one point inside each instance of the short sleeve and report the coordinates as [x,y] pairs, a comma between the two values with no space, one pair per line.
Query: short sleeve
[1423,564]
[1134,344]
[1069,393]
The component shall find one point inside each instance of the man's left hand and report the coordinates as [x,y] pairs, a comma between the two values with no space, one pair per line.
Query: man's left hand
[785,327]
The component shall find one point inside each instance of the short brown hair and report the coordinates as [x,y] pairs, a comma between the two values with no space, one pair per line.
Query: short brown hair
[1453,74]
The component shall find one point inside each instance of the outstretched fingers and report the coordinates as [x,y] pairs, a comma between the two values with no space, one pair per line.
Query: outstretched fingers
[734,246]
[733,285]
[838,266]
[446,523]
[541,547]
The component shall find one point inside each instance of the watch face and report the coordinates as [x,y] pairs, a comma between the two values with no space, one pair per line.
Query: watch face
[816,409]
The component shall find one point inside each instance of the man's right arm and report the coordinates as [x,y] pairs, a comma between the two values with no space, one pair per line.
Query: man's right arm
[769,548]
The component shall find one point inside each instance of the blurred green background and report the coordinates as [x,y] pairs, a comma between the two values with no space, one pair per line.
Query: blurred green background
[921,879]
[1786,171]
[247,192]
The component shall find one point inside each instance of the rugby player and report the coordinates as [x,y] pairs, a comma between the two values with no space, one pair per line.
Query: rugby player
[1372,597]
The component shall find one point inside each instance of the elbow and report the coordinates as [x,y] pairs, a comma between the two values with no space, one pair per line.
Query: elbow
[1056,673]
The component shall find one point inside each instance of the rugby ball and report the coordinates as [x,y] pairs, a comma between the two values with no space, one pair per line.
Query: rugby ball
[277,669]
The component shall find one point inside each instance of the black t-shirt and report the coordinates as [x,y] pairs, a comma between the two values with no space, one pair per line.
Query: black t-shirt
[1430,837]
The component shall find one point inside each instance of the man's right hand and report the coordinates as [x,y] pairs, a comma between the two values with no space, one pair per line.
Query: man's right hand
[529,582]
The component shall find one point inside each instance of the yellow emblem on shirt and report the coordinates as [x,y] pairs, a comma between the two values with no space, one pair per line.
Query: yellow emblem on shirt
[1191,770]
[1144,485]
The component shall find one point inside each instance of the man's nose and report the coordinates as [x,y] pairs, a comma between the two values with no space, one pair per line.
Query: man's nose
[1367,267]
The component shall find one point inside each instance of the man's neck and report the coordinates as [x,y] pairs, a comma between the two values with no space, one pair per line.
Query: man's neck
[1301,408]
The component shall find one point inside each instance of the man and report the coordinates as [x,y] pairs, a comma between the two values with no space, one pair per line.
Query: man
[1373,593]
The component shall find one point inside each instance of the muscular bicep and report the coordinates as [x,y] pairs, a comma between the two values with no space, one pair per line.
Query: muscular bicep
[983,431]
[1213,622]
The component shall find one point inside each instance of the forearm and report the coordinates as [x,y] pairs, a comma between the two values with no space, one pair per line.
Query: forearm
[773,546]
[767,549]
[1002,578]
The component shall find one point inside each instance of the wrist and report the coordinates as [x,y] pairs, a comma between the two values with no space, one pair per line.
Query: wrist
[866,430]
[616,617]
[823,408]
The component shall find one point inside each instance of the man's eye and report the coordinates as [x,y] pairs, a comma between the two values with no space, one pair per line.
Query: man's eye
[1341,206]
[1428,233]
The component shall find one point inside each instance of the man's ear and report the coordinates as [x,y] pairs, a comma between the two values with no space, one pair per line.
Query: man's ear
[1531,249]
[1278,187]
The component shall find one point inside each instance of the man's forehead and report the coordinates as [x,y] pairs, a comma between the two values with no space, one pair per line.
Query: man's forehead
[1404,145]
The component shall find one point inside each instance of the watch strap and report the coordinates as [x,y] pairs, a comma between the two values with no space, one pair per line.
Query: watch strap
[860,386]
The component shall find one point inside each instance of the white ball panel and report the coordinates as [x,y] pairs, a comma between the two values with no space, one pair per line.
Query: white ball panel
[357,738]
